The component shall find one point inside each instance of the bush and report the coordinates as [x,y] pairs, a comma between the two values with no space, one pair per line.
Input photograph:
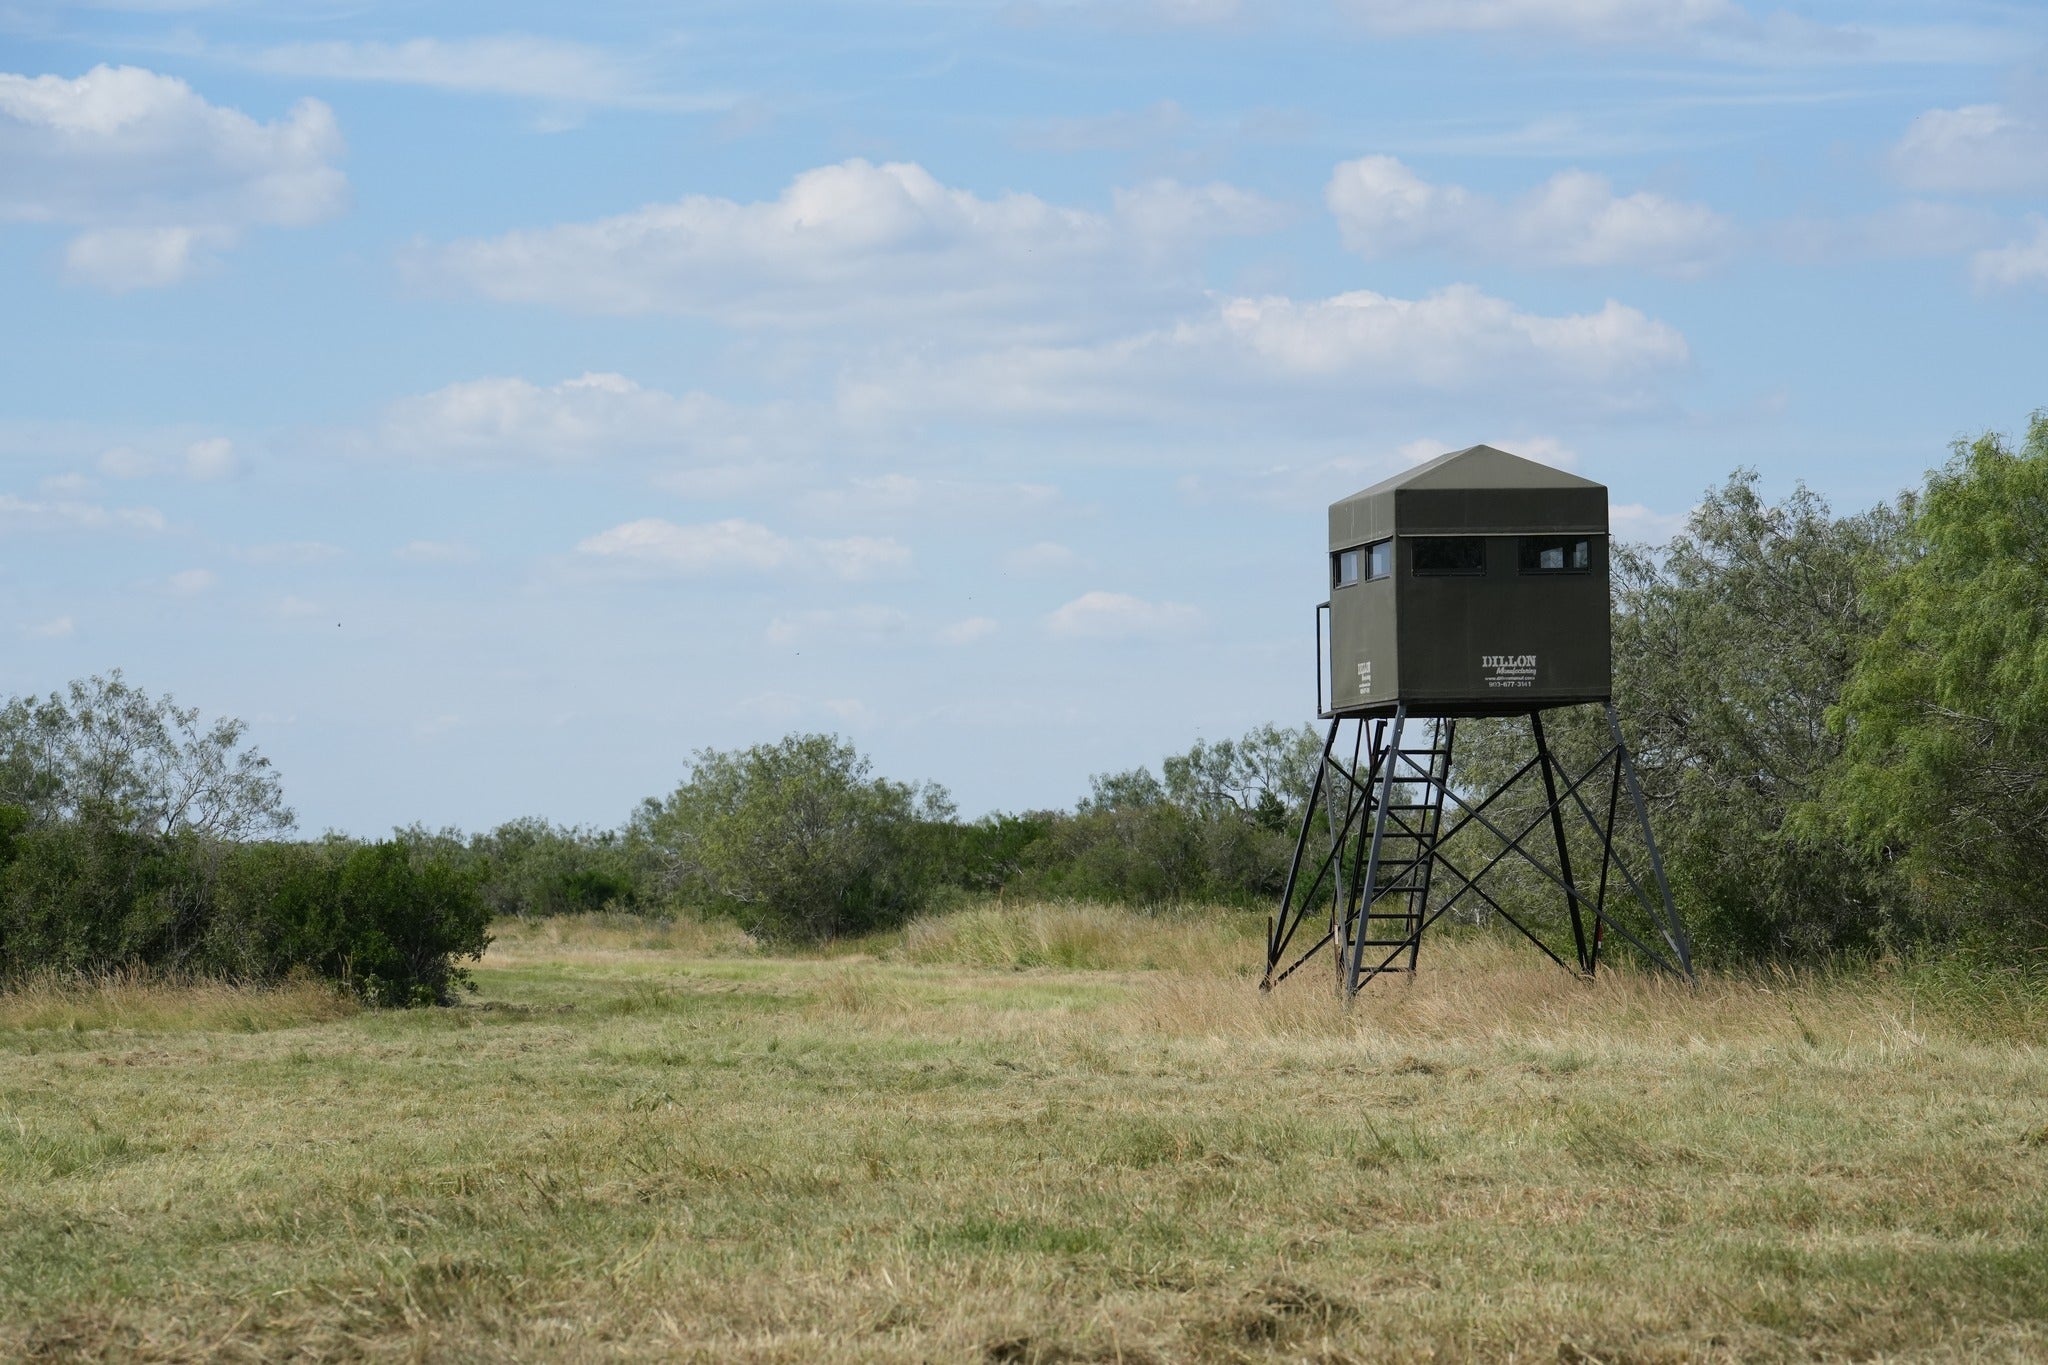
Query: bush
[386,920]
[1220,827]
[1730,647]
[795,840]
[1946,716]
[530,867]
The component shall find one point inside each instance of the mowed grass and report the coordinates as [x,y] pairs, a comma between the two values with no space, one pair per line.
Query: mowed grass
[1033,1133]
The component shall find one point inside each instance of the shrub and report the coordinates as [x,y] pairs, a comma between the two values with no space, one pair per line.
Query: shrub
[387,920]
[530,867]
[795,840]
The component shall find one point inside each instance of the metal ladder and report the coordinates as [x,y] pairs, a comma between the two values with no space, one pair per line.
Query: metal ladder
[1396,852]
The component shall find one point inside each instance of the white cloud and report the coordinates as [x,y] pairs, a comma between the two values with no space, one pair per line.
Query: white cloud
[1139,14]
[1256,353]
[736,545]
[125,462]
[119,260]
[203,460]
[1166,210]
[291,552]
[1633,521]
[908,495]
[210,459]
[863,621]
[2019,263]
[721,482]
[57,629]
[1720,29]
[21,514]
[435,552]
[191,582]
[1602,21]
[1977,149]
[1043,557]
[850,709]
[861,558]
[153,175]
[790,708]
[503,420]
[860,244]
[66,485]
[779,707]
[715,547]
[968,631]
[1115,615]
[1315,481]
[1573,219]
[506,64]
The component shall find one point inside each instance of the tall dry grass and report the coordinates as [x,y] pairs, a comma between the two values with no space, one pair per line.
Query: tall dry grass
[151,1002]
[1037,1132]
[611,935]
[1082,936]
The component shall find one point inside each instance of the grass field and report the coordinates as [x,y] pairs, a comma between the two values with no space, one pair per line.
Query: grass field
[1035,1134]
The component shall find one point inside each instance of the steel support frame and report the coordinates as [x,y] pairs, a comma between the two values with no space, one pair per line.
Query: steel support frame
[1361,810]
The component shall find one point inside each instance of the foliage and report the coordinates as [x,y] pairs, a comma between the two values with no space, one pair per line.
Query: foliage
[128,841]
[528,867]
[1263,777]
[384,920]
[1219,827]
[534,868]
[76,895]
[795,839]
[988,854]
[1729,650]
[108,753]
[1946,717]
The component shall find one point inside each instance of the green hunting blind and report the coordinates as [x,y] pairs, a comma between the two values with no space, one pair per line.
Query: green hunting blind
[1474,585]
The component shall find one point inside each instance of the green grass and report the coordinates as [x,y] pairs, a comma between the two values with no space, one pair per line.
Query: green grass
[1006,1137]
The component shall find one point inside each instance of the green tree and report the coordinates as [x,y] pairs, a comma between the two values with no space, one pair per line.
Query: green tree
[796,839]
[106,752]
[1129,790]
[1730,648]
[1946,717]
[1263,777]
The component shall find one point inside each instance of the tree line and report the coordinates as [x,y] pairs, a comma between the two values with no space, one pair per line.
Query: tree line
[1841,722]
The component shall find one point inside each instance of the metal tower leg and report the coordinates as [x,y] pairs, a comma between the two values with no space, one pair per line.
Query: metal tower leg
[1369,876]
[1548,767]
[1354,799]
[1369,887]
[1672,928]
[1276,924]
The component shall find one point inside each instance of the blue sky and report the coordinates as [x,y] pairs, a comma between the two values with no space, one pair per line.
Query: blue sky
[494,404]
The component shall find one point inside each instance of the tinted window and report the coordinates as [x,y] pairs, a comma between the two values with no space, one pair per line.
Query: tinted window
[1344,567]
[1449,554]
[1379,559]
[1556,554]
